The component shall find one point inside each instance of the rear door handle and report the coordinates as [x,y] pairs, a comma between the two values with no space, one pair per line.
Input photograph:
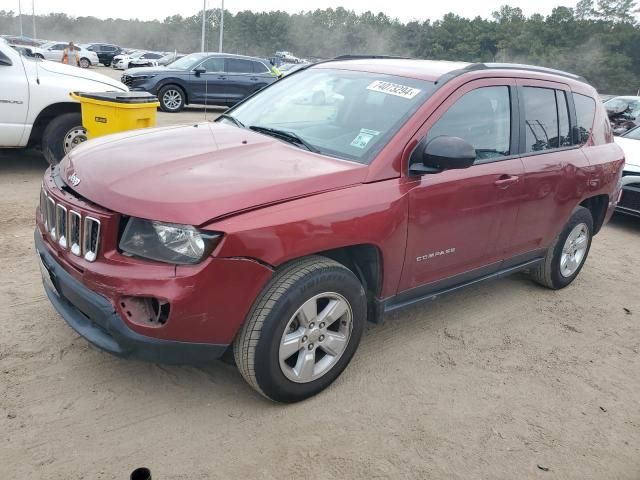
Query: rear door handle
[505,181]
[222,77]
[254,78]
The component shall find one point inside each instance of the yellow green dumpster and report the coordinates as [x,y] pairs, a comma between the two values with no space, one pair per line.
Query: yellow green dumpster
[104,113]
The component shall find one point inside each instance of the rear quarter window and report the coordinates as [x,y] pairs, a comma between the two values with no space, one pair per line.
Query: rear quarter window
[585,112]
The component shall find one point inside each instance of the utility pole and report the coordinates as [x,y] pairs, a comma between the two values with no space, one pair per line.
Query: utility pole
[221,26]
[20,16]
[33,16]
[204,19]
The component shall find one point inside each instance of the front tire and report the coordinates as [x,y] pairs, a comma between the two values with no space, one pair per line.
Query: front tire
[302,331]
[172,98]
[61,135]
[85,63]
[567,254]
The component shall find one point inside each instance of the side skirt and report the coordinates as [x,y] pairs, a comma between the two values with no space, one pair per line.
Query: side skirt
[442,287]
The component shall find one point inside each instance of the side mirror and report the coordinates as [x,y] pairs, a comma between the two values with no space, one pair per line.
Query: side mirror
[442,153]
[199,71]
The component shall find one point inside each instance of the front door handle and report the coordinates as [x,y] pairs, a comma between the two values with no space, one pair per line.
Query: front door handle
[505,181]
[222,77]
[254,78]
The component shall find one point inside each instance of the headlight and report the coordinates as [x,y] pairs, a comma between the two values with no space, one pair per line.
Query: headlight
[167,242]
[141,77]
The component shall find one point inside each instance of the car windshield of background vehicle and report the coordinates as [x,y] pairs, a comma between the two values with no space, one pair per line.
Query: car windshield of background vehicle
[633,134]
[188,62]
[341,113]
[629,107]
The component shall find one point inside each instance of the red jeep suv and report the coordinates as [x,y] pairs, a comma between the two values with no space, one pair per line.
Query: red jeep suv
[347,190]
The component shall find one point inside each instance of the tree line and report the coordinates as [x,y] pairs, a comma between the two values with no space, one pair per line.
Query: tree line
[600,40]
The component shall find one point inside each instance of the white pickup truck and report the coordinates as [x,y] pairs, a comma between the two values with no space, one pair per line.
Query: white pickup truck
[35,106]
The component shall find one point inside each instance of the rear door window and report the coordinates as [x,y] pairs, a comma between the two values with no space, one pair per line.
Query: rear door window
[259,67]
[541,119]
[585,111]
[236,65]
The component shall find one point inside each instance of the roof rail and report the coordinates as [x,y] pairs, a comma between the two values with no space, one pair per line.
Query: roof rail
[365,57]
[519,66]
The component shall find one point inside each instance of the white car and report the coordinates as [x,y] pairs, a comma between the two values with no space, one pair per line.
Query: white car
[35,106]
[121,62]
[54,50]
[630,201]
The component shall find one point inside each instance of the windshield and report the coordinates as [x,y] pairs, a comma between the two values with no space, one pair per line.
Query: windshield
[341,113]
[185,63]
[629,106]
[633,134]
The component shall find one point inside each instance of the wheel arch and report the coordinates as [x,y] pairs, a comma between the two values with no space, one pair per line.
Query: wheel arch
[365,261]
[46,115]
[598,206]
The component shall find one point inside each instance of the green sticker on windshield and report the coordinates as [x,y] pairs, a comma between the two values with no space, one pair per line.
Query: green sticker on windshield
[363,138]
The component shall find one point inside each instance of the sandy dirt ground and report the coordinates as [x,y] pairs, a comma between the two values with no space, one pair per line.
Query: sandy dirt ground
[501,381]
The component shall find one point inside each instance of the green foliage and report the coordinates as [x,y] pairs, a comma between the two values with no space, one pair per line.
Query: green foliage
[598,39]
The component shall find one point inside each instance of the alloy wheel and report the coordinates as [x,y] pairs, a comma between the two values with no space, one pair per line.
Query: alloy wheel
[172,99]
[315,337]
[574,250]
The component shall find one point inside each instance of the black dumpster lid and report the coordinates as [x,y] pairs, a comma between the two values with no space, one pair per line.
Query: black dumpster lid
[120,97]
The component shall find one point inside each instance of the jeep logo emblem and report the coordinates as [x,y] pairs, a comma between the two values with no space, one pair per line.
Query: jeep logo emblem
[74,180]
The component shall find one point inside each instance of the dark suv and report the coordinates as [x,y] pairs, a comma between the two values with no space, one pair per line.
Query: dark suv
[280,229]
[217,79]
[105,51]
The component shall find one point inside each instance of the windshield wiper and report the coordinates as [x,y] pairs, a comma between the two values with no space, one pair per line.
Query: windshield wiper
[285,135]
[232,119]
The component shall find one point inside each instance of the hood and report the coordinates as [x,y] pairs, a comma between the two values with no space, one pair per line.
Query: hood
[149,70]
[193,174]
[631,149]
[83,73]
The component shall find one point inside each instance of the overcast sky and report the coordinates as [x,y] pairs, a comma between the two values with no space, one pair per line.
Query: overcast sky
[403,9]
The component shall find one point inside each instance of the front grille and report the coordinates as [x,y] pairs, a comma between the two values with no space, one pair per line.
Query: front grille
[69,229]
[631,197]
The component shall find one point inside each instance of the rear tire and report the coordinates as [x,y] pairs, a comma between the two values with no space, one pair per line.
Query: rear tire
[40,56]
[62,134]
[302,330]
[172,98]
[568,252]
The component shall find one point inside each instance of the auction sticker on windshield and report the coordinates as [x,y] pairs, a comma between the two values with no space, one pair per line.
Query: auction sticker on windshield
[393,89]
[363,138]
